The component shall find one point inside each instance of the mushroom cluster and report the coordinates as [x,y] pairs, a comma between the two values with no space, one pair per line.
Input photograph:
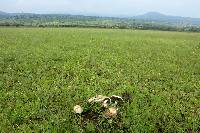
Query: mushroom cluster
[108,103]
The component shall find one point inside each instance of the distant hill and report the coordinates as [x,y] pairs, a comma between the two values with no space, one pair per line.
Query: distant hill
[3,13]
[158,17]
[153,17]
[151,20]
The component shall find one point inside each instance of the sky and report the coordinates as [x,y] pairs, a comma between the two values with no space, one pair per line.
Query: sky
[186,8]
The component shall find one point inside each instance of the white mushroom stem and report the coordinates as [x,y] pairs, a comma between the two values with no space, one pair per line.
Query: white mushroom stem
[105,104]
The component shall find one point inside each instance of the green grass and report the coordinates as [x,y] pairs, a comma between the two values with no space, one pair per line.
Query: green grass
[45,72]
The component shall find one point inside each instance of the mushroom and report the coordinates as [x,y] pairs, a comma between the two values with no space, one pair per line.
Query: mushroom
[117,99]
[78,109]
[105,103]
[111,112]
[98,99]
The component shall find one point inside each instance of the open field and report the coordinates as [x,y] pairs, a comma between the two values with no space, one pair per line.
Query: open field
[45,72]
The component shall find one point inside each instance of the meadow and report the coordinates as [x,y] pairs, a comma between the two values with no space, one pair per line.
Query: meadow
[45,72]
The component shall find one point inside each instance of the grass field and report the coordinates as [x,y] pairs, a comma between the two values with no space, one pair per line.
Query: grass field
[45,72]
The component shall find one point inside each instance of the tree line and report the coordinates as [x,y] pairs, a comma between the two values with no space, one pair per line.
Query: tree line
[32,20]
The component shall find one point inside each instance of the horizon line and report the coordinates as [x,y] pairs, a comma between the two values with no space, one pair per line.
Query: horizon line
[97,14]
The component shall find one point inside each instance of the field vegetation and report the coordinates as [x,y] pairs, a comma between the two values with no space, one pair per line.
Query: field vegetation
[45,72]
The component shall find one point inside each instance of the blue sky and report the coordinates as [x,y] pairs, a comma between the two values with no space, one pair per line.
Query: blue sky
[190,8]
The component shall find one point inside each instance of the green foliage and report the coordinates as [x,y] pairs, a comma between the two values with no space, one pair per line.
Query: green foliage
[45,72]
[56,20]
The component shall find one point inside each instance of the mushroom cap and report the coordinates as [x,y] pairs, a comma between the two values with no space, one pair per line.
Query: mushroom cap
[111,112]
[78,109]
[98,99]
[91,100]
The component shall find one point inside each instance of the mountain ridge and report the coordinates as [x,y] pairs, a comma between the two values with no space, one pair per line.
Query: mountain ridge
[153,17]
[151,13]
[3,13]
[159,17]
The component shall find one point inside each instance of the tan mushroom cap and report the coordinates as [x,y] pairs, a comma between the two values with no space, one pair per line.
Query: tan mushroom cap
[111,112]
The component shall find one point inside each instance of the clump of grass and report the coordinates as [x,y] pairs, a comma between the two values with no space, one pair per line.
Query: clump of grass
[93,118]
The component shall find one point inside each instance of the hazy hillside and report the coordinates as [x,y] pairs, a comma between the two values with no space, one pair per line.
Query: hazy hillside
[152,20]
[148,17]
[158,17]
[3,13]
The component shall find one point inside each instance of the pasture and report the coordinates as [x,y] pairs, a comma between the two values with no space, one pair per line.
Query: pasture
[45,72]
